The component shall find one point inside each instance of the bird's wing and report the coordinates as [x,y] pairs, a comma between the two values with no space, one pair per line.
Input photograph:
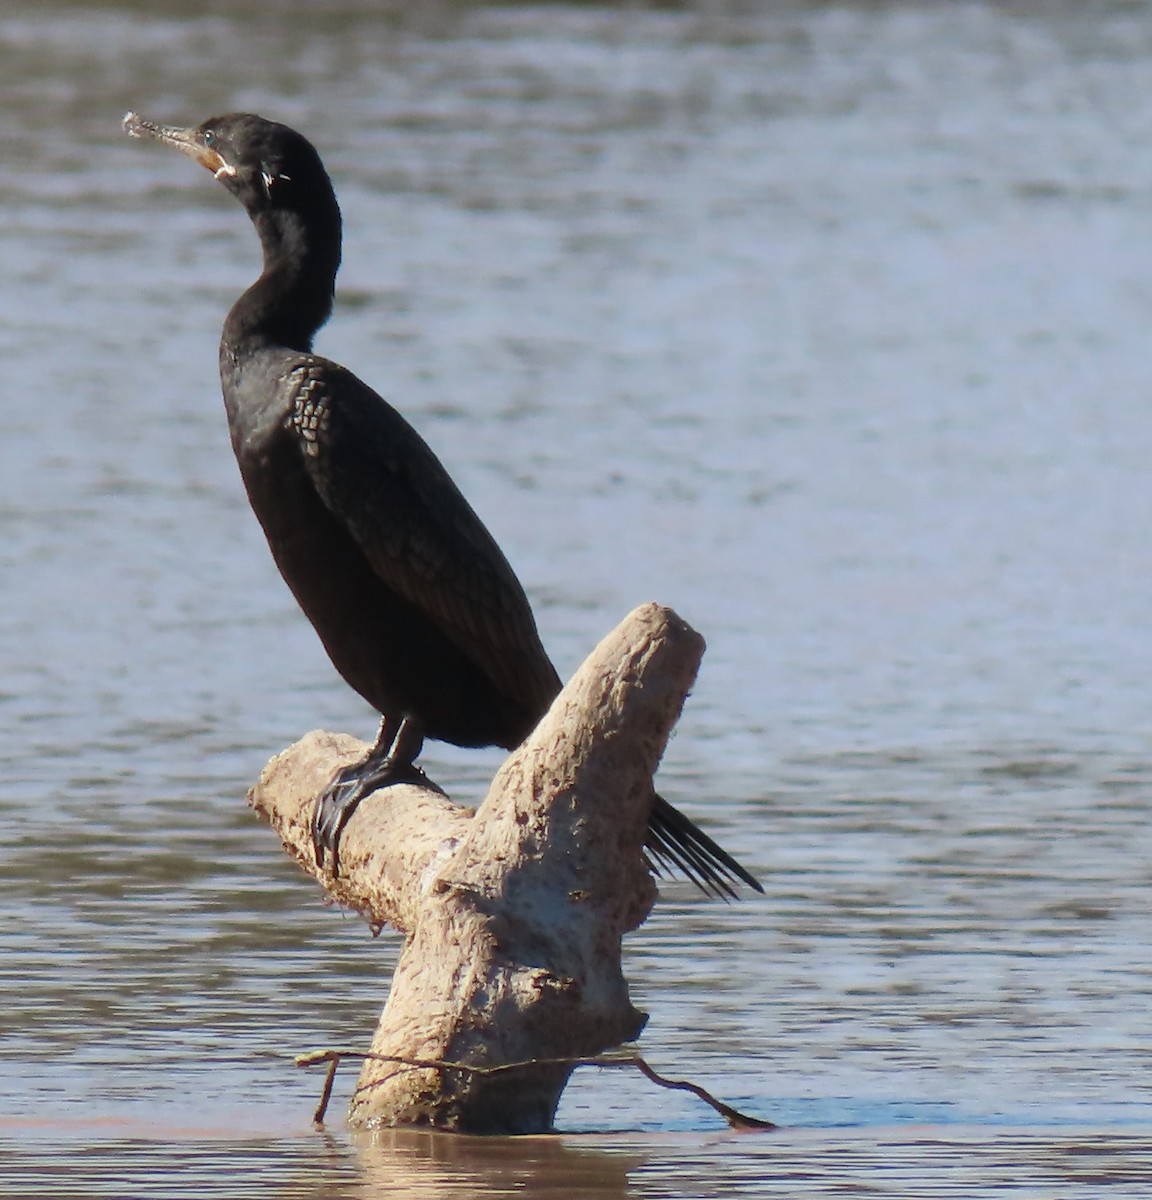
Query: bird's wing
[422,538]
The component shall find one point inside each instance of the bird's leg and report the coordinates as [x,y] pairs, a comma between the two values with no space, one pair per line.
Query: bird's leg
[391,760]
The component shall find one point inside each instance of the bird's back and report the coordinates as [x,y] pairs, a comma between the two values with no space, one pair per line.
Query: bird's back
[412,597]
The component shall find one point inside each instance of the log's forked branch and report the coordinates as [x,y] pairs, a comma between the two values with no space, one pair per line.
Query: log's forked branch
[514,914]
[735,1118]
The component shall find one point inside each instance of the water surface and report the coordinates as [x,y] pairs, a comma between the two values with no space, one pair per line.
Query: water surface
[825,325]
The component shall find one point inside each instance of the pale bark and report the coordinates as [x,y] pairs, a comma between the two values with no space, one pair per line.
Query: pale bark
[514,913]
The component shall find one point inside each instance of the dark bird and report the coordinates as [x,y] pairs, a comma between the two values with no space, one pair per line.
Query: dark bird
[411,596]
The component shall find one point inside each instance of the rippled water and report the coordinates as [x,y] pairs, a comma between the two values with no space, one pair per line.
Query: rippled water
[825,325]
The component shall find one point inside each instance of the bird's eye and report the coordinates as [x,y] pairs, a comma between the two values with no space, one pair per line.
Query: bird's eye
[209,137]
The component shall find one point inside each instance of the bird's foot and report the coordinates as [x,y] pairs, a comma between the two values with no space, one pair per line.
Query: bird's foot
[388,762]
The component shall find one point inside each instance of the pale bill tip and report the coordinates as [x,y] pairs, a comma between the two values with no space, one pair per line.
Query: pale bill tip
[135,126]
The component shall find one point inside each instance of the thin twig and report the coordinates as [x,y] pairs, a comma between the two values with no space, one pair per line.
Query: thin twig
[735,1118]
[326,1094]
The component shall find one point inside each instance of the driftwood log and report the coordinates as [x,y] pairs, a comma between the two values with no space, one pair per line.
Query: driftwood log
[513,913]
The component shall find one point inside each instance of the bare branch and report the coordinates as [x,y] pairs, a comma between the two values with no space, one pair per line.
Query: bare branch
[735,1118]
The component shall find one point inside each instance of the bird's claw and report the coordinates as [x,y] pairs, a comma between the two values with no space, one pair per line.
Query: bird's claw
[341,798]
[333,811]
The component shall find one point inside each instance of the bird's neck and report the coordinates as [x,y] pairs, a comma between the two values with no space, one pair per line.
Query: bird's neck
[293,296]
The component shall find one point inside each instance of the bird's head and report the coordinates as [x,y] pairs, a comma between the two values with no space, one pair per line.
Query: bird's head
[265,165]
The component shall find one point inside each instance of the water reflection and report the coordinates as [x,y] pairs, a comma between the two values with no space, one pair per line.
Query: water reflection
[943,1161]
[415,1164]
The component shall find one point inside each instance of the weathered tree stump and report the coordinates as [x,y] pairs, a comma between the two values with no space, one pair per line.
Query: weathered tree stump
[513,913]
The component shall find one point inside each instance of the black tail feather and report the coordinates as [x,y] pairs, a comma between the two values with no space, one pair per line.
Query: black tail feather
[675,842]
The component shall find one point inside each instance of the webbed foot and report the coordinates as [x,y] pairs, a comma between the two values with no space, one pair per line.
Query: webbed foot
[391,760]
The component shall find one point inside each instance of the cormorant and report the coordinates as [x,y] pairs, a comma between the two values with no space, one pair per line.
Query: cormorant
[411,596]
